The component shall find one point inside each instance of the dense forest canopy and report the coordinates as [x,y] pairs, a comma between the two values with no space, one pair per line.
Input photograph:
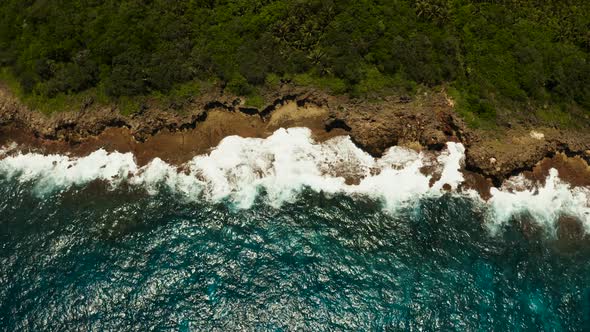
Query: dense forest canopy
[512,50]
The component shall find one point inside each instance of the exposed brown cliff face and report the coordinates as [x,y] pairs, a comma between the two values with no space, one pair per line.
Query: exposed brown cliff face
[427,122]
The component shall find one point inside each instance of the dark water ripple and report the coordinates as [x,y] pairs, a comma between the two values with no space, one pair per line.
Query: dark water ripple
[92,259]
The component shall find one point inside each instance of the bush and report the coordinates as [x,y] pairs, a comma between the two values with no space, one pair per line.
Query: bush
[512,52]
[239,85]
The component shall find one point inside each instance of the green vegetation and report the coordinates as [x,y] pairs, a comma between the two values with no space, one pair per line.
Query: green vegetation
[497,55]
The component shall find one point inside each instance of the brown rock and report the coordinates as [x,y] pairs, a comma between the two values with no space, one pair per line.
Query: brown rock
[424,122]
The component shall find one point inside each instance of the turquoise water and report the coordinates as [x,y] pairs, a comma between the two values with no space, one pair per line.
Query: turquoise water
[89,258]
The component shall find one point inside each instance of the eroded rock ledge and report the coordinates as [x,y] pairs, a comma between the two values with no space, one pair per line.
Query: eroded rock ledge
[427,122]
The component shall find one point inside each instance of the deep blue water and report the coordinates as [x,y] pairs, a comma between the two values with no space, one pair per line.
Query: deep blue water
[94,259]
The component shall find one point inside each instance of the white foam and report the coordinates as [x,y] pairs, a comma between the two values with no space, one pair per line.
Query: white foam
[288,161]
[544,203]
[57,171]
[452,159]
[238,168]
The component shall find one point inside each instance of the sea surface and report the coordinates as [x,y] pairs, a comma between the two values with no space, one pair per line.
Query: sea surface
[101,244]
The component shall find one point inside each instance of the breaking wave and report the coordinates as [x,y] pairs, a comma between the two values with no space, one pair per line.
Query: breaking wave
[289,161]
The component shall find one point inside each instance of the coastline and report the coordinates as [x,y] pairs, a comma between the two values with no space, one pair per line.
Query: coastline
[425,123]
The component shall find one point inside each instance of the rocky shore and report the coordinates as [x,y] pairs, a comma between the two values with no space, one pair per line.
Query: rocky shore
[424,123]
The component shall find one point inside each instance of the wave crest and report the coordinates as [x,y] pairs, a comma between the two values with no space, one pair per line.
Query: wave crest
[288,161]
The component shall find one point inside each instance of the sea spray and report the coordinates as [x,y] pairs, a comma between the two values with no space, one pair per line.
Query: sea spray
[546,204]
[282,165]
[51,172]
[289,161]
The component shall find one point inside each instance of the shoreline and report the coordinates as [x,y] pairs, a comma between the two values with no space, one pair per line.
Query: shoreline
[425,123]
[488,166]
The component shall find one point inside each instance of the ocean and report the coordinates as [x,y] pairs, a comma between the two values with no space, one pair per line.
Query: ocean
[283,234]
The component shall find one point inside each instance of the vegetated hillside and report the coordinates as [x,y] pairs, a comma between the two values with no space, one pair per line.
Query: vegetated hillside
[511,54]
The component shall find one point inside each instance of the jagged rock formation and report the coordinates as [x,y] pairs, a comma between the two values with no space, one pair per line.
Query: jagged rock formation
[427,122]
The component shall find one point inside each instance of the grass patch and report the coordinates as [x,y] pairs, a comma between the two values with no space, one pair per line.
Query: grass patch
[178,97]
[11,82]
[476,112]
[376,84]
[255,100]
[558,116]
[331,84]
[128,105]
[61,102]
